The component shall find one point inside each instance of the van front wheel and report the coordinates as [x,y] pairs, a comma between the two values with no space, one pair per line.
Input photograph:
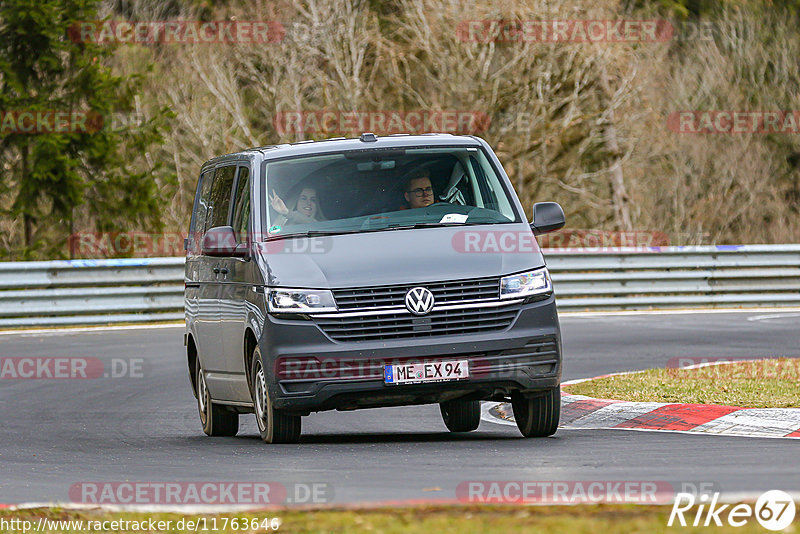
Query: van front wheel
[273,425]
[537,417]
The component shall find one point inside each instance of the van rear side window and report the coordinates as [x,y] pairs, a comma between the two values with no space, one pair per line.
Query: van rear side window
[200,211]
[221,196]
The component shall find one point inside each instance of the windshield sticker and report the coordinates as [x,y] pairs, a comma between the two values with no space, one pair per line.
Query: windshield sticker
[454,218]
[274,229]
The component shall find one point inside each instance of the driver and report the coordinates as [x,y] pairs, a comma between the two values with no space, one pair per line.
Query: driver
[419,191]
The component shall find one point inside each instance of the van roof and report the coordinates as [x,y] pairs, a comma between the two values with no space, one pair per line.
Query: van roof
[365,141]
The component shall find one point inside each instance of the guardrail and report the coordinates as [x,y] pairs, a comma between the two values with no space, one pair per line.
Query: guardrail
[81,292]
[677,277]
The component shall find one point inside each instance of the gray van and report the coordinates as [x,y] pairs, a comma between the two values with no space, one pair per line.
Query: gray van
[369,272]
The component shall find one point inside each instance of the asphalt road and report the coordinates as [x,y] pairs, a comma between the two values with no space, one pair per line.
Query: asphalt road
[58,433]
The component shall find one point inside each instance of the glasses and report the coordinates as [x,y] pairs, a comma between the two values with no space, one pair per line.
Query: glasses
[422,191]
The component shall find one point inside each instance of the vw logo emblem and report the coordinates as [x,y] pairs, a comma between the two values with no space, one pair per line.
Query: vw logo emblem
[419,300]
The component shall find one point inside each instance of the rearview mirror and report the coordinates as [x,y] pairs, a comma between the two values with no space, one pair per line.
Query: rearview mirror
[221,241]
[547,217]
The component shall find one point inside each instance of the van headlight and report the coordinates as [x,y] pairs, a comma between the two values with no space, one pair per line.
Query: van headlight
[300,301]
[527,284]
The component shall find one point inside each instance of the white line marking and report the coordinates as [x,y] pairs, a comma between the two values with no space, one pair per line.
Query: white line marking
[772,316]
[684,311]
[54,331]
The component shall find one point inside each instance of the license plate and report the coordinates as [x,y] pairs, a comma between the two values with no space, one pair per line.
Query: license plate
[417,373]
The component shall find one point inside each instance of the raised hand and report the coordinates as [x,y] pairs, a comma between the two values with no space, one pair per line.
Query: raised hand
[278,204]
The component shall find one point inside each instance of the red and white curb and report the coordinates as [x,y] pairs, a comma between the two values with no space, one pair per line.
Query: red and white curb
[581,412]
[196,509]
[585,412]
[147,508]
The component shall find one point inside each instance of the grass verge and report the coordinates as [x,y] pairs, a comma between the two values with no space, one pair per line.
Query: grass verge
[768,383]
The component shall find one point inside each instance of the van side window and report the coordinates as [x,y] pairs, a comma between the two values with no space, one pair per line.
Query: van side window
[241,210]
[221,196]
[200,211]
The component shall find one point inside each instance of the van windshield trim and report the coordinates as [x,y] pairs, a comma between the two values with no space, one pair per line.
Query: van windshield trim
[472,154]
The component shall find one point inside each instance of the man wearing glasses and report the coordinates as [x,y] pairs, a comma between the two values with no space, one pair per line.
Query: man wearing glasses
[419,191]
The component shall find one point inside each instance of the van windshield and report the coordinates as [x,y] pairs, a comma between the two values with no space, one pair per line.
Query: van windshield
[375,190]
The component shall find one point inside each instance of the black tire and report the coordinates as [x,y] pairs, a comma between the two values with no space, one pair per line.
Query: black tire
[216,420]
[461,415]
[537,417]
[273,425]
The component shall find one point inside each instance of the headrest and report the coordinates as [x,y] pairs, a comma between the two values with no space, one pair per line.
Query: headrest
[452,193]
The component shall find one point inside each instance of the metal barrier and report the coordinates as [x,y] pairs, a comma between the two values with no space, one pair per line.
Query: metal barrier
[81,292]
[677,277]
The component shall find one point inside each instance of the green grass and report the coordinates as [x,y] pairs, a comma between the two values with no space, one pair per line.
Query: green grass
[486,519]
[770,383]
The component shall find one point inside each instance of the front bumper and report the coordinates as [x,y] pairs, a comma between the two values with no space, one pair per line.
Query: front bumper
[311,372]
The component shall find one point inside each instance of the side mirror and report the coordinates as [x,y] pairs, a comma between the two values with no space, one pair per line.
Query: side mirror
[221,241]
[547,217]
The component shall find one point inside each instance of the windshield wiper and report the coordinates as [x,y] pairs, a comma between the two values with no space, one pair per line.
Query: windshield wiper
[427,225]
[320,233]
[421,225]
[310,233]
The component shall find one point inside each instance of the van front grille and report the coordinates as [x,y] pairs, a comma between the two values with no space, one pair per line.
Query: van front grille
[402,324]
[453,292]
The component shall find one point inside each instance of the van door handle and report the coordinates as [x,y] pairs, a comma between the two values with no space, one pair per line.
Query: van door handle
[216,270]
[224,270]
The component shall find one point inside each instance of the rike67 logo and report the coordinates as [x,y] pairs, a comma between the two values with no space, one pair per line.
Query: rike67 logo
[774,510]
